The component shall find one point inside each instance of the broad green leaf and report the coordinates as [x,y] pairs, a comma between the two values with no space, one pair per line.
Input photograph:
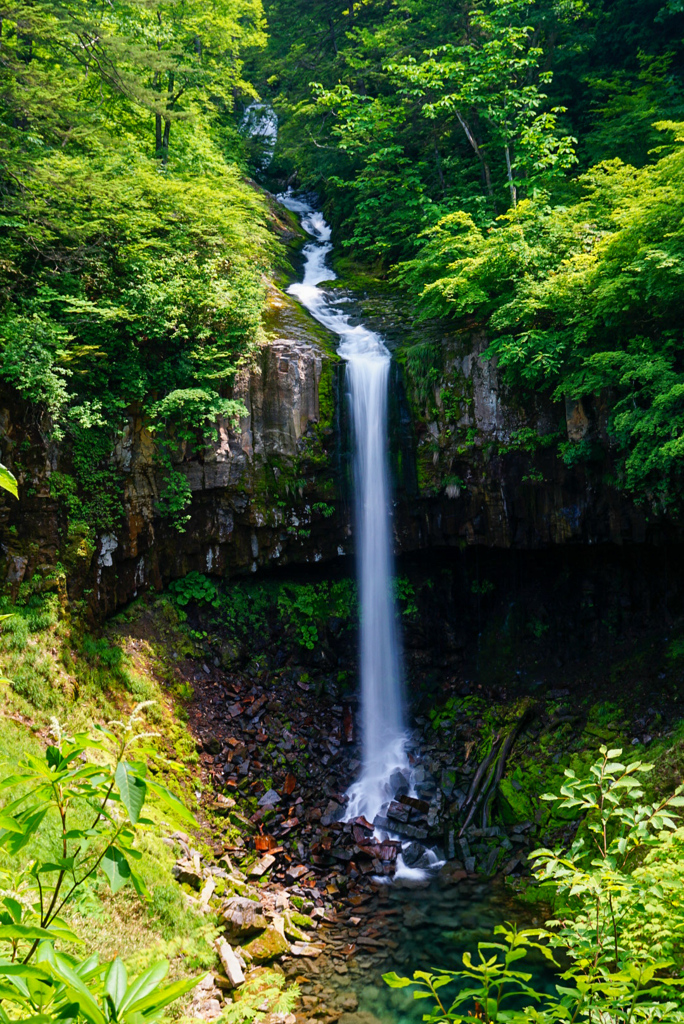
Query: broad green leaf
[138,883]
[15,908]
[394,981]
[11,993]
[132,789]
[115,867]
[77,990]
[144,985]
[28,932]
[116,982]
[9,824]
[171,801]
[157,1000]
[15,841]
[14,970]
[8,482]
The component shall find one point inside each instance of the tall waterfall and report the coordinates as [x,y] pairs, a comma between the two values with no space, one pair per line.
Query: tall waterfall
[368,361]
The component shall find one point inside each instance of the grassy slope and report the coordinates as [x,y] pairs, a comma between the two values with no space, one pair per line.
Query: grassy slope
[54,670]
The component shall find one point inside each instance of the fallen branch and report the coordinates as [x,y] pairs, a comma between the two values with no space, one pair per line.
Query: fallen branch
[493,766]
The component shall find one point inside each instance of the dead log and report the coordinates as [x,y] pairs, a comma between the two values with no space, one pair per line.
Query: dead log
[498,755]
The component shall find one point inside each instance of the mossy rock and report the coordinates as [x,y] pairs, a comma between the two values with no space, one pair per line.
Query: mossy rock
[515,805]
[267,946]
[294,933]
[301,920]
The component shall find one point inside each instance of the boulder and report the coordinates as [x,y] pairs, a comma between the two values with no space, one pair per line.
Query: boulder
[185,872]
[292,931]
[302,920]
[398,783]
[262,866]
[267,946]
[243,918]
[412,854]
[270,799]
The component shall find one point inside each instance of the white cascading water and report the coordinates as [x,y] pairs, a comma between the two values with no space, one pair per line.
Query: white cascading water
[260,122]
[368,361]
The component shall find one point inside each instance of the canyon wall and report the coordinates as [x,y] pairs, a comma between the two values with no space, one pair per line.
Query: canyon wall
[274,491]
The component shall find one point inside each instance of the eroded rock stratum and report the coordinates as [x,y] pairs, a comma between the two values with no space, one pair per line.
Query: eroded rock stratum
[472,467]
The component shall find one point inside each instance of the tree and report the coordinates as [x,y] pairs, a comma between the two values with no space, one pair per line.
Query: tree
[494,79]
[97,804]
[602,898]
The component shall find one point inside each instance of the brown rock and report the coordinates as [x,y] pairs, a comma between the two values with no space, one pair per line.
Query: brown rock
[243,918]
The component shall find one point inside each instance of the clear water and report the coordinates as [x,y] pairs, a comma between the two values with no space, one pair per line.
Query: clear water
[368,360]
[422,929]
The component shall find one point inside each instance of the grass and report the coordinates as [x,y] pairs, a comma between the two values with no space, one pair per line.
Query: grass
[53,669]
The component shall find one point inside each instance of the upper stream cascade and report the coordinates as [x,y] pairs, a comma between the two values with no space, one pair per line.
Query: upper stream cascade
[384,733]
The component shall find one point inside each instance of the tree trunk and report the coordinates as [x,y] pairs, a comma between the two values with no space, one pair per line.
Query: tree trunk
[511,183]
[478,153]
[165,141]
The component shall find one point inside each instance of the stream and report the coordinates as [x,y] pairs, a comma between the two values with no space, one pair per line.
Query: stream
[417,918]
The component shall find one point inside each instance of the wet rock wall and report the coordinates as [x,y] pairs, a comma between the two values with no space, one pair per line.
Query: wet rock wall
[469,466]
[264,493]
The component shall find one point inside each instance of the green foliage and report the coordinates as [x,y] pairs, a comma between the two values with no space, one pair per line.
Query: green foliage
[132,251]
[619,923]
[194,588]
[88,789]
[175,499]
[405,596]
[302,610]
[580,301]
[444,138]
[323,509]
[8,481]
[263,994]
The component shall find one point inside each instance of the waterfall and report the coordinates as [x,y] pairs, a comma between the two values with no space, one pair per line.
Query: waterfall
[260,122]
[382,706]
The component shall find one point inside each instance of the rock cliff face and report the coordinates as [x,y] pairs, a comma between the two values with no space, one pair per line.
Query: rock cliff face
[470,468]
[488,470]
[263,494]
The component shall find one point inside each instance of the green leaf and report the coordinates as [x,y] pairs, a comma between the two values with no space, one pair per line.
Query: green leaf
[116,868]
[8,482]
[15,841]
[77,989]
[10,825]
[394,981]
[13,994]
[15,908]
[144,985]
[157,1000]
[132,789]
[116,982]
[171,801]
[28,932]
[138,882]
